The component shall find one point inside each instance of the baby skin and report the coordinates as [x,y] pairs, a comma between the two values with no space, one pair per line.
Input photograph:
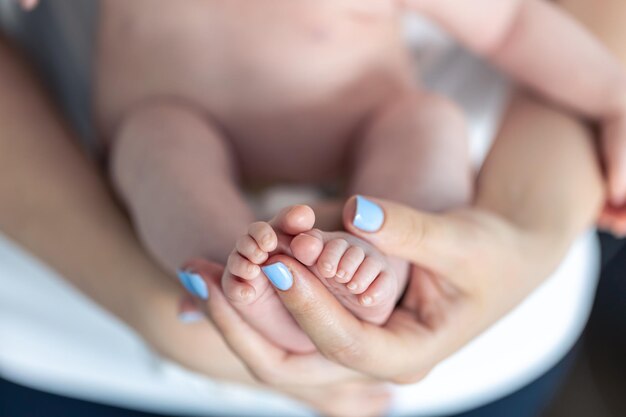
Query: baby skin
[198,99]
[361,278]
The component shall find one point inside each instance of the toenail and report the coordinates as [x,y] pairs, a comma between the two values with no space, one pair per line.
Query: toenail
[369,216]
[252,268]
[352,286]
[327,266]
[279,275]
[367,300]
[194,283]
[341,274]
[246,293]
[267,240]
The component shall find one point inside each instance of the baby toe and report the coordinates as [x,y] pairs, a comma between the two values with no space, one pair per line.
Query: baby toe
[264,235]
[307,248]
[382,290]
[330,257]
[248,248]
[349,264]
[241,267]
[365,275]
[237,291]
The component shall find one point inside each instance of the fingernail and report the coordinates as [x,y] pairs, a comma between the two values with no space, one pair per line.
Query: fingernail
[279,275]
[369,216]
[194,284]
[189,317]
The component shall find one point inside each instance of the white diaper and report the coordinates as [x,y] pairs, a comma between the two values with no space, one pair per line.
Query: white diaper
[55,339]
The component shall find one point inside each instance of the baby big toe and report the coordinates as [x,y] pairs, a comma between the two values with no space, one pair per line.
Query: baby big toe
[349,264]
[306,248]
[331,255]
[366,274]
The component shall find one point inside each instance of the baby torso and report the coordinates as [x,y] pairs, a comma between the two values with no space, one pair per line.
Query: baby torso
[282,79]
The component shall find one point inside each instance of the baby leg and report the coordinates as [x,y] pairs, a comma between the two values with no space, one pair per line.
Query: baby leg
[415,151]
[247,287]
[173,169]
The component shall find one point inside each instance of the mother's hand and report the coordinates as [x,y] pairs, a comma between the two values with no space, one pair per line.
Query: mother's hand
[475,264]
[472,269]
[331,389]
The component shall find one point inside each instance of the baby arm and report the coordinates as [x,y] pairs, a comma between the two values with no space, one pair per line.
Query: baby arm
[547,50]
[607,22]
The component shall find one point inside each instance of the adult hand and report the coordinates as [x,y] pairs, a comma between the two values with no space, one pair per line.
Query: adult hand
[329,388]
[473,268]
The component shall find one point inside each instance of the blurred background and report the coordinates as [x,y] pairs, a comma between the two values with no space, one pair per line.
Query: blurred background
[596,385]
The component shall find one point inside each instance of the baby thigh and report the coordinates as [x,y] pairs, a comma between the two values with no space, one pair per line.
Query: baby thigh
[415,151]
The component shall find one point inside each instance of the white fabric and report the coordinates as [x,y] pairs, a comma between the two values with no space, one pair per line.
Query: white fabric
[55,339]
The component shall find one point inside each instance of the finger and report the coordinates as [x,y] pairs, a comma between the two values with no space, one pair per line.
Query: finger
[266,361]
[613,220]
[336,332]
[188,313]
[614,152]
[430,240]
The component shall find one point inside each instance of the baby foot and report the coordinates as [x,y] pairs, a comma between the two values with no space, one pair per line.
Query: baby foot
[361,277]
[249,290]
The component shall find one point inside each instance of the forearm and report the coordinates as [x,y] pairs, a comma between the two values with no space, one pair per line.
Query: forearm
[533,40]
[604,19]
[54,204]
[542,174]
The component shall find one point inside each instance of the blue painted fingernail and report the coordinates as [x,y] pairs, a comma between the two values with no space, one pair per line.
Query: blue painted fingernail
[189,317]
[369,216]
[194,284]
[279,275]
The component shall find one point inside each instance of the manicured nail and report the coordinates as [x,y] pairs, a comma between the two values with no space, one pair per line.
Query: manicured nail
[194,284]
[279,275]
[189,317]
[369,216]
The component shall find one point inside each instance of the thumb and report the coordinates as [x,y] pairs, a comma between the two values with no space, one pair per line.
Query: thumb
[430,240]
